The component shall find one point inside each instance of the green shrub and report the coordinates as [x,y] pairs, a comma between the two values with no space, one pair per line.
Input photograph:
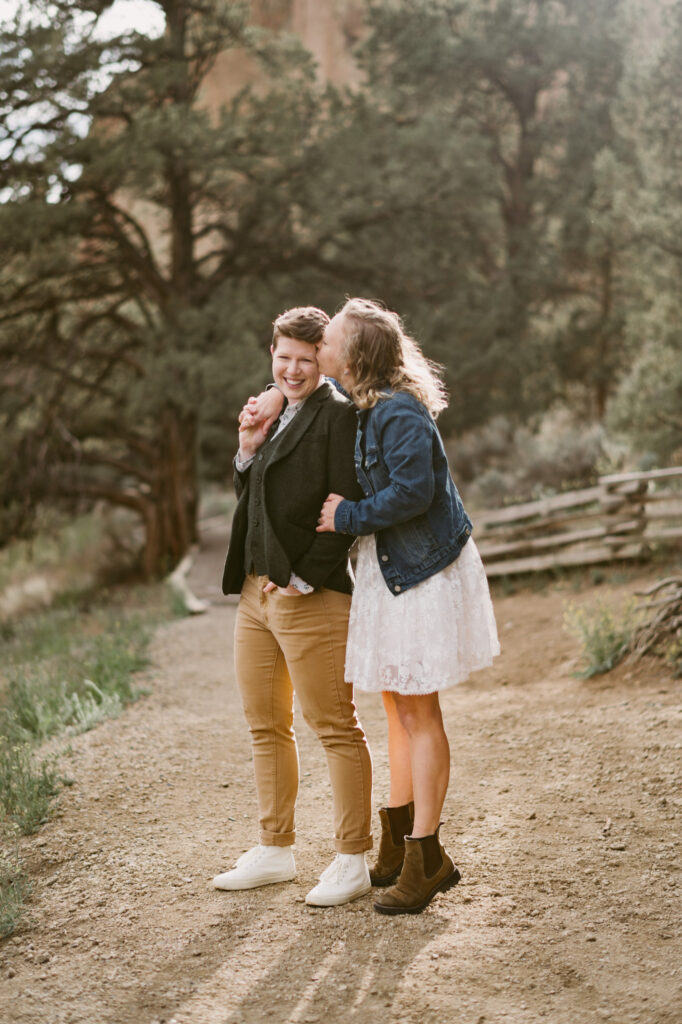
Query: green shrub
[63,671]
[95,706]
[14,888]
[33,707]
[500,462]
[67,672]
[26,788]
[65,677]
[113,658]
[603,633]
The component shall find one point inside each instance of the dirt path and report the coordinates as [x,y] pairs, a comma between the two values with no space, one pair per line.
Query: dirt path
[563,815]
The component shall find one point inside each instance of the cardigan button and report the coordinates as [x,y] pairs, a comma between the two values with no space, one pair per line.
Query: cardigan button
[384,558]
[397,588]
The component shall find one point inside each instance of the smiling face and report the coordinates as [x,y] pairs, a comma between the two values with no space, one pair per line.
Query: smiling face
[294,368]
[331,354]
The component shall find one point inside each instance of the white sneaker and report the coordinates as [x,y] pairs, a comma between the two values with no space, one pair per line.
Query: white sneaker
[259,866]
[346,878]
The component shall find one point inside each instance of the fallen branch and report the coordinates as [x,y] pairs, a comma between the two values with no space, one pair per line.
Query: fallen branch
[664,627]
[177,581]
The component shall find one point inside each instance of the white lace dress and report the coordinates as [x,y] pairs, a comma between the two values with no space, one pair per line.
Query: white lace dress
[425,639]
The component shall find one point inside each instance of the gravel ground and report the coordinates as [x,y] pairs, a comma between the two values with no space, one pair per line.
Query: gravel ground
[562,814]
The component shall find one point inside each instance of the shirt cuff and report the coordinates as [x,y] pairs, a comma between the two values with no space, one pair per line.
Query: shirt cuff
[299,584]
[241,465]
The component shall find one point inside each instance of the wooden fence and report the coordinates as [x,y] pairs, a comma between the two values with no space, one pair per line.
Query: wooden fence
[623,516]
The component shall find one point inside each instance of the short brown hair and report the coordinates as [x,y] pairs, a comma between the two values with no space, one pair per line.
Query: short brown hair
[303,323]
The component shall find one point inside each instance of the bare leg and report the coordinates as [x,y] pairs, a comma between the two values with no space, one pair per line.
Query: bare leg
[400,767]
[429,757]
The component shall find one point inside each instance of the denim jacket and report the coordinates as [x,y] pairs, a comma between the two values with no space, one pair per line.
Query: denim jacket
[410,502]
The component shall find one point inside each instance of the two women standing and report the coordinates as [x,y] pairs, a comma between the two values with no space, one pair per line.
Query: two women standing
[421,618]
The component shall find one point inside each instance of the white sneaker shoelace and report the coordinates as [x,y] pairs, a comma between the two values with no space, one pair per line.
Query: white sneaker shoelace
[250,857]
[259,854]
[338,870]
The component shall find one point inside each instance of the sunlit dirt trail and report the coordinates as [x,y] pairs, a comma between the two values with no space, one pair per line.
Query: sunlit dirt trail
[563,815]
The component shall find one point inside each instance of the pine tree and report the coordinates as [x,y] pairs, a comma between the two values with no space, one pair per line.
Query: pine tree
[505,106]
[646,408]
[149,241]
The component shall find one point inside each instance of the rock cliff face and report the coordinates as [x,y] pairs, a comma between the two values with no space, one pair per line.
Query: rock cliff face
[327,28]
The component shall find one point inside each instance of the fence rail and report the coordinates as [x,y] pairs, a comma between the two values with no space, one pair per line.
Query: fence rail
[623,516]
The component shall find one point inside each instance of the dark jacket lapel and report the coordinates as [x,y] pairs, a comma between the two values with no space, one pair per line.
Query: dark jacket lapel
[295,430]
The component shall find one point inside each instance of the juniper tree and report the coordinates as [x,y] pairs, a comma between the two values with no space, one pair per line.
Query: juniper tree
[646,408]
[507,106]
[148,240]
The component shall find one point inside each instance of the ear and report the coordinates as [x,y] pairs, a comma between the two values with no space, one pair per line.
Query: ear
[272,350]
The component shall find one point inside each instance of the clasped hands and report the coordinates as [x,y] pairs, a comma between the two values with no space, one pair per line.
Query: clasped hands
[255,421]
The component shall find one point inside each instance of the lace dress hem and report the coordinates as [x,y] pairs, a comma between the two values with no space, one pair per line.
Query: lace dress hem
[428,638]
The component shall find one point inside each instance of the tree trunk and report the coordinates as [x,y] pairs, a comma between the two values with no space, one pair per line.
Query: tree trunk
[171,508]
[604,370]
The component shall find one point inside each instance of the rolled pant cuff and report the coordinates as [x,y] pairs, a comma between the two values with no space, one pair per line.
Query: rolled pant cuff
[277,838]
[353,845]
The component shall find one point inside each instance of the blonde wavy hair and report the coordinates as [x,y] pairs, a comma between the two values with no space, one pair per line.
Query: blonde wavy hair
[381,354]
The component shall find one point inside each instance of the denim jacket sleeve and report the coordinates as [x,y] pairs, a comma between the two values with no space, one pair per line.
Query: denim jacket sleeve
[406,450]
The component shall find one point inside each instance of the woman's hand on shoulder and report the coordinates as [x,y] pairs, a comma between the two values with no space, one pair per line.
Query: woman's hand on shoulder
[326,520]
[262,410]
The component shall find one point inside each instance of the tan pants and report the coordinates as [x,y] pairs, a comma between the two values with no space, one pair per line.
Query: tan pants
[285,643]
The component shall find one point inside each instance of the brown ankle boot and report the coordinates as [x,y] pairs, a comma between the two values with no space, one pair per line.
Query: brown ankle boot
[427,869]
[396,823]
